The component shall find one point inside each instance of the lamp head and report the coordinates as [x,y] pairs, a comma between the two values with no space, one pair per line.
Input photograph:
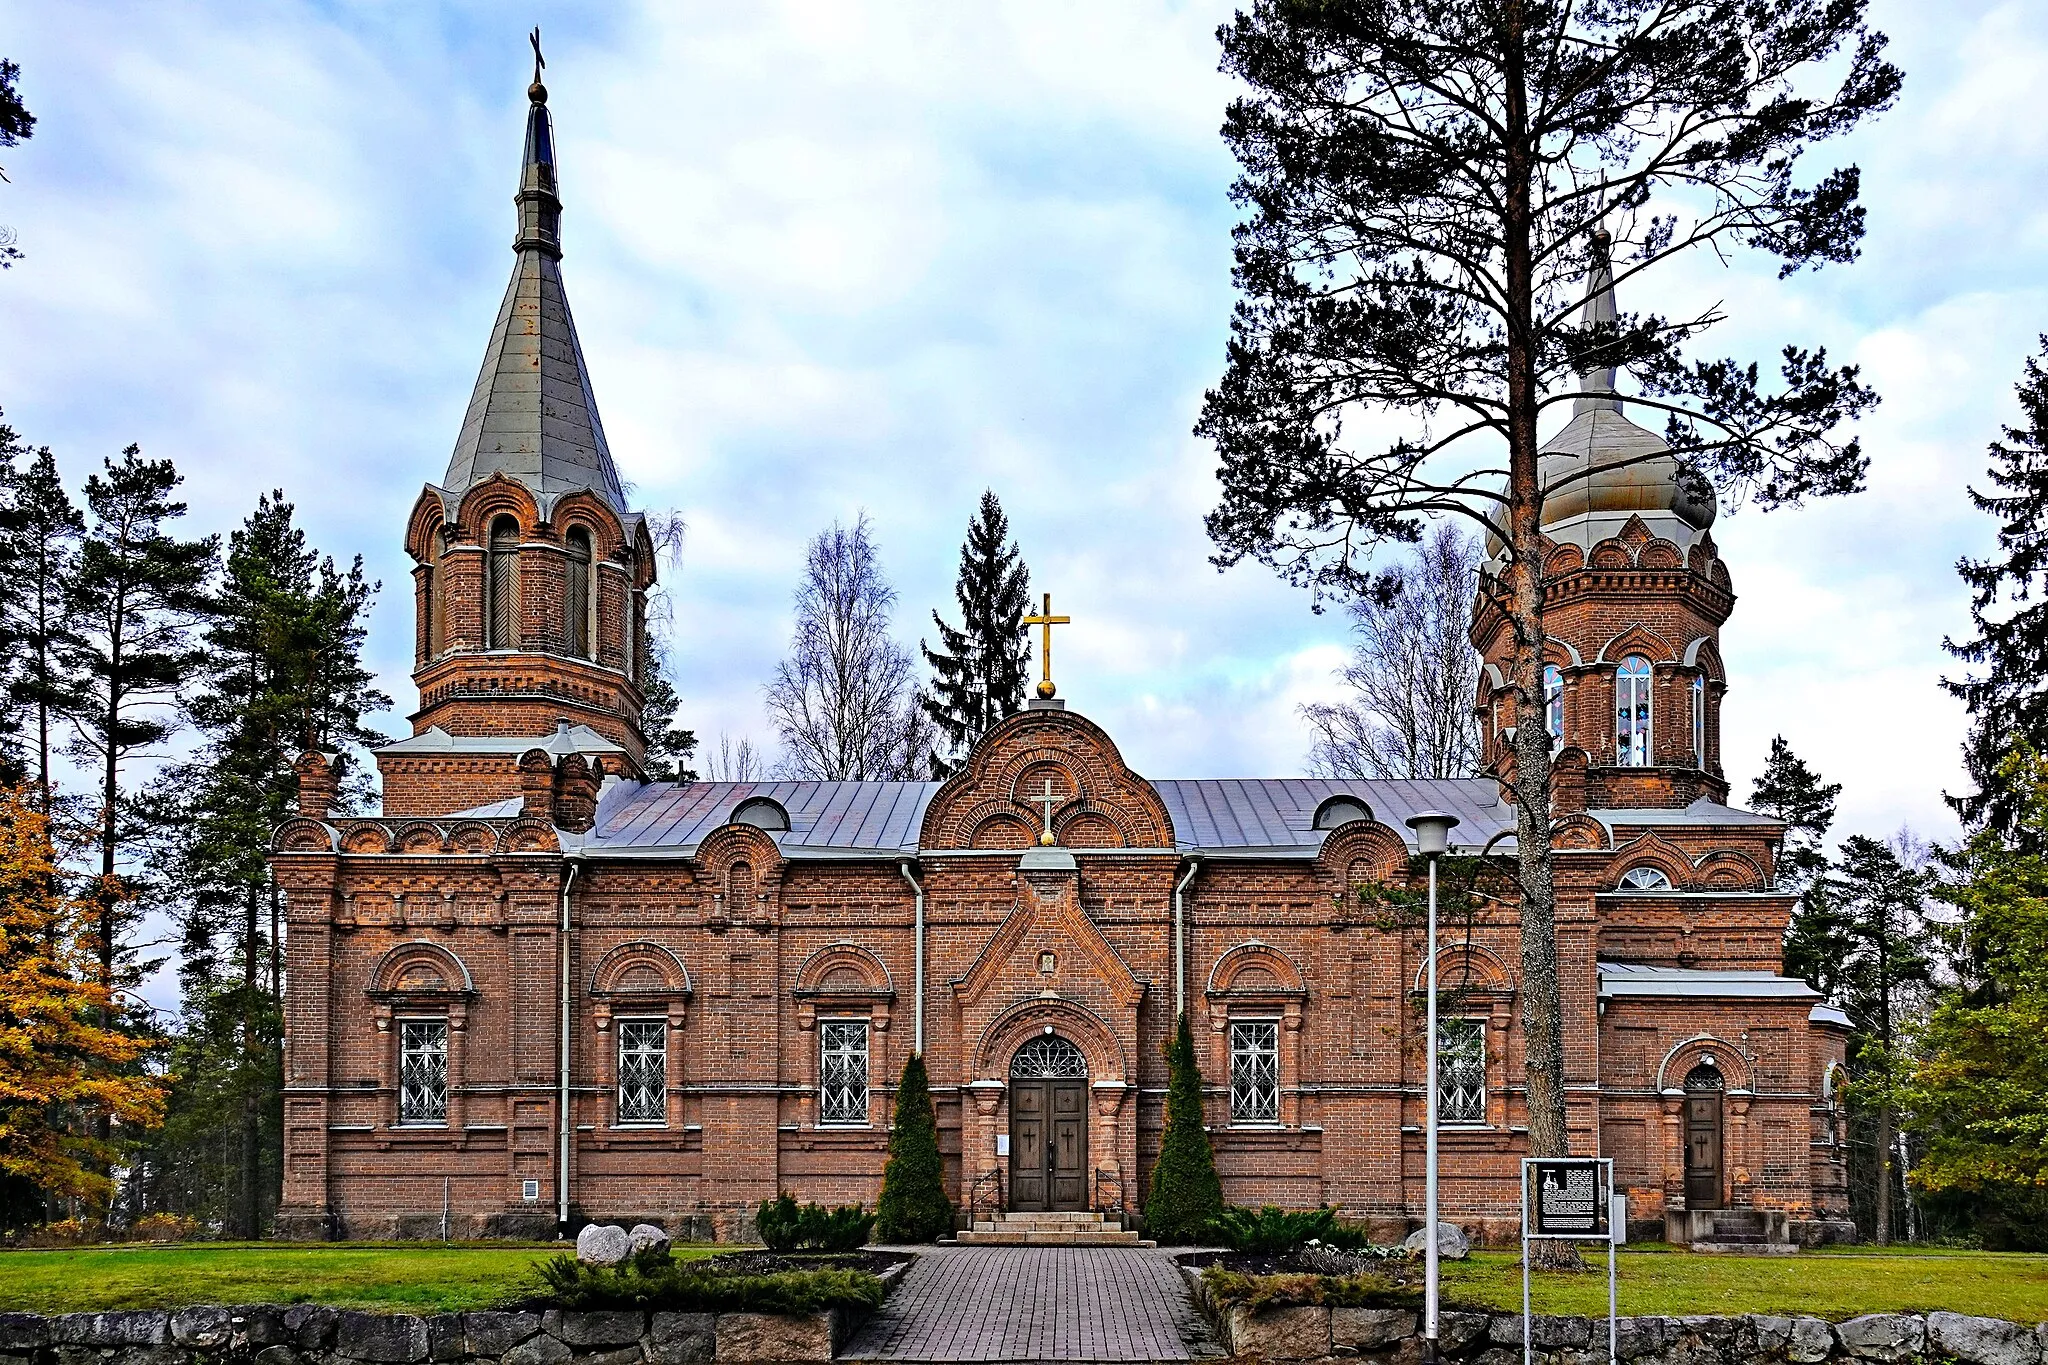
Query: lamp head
[1432,831]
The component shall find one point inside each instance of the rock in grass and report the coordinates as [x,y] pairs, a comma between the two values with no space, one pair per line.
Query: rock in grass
[1451,1242]
[603,1244]
[1981,1341]
[649,1240]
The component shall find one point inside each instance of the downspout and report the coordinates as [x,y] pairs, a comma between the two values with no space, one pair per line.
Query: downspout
[562,1066]
[917,971]
[1180,940]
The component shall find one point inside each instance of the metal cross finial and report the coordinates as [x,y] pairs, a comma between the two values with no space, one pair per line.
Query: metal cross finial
[1048,800]
[538,61]
[1045,621]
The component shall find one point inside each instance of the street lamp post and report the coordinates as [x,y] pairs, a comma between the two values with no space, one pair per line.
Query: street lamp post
[1432,838]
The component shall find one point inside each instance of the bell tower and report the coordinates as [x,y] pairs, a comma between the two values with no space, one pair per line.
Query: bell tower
[1634,597]
[531,571]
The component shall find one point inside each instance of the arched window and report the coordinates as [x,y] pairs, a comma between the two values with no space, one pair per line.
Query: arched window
[1632,712]
[1699,720]
[1340,810]
[1644,879]
[762,812]
[1553,700]
[576,613]
[501,628]
[437,612]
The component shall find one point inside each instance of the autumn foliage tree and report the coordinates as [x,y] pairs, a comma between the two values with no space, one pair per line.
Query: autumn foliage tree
[62,1070]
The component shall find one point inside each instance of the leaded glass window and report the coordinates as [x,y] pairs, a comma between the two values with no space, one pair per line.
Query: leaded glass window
[423,1071]
[843,1070]
[1553,700]
[1461,1070]
[1699,721]
[1632,712]
[643,1070]
[1255,1071]
[1049,1057]
[1644,879]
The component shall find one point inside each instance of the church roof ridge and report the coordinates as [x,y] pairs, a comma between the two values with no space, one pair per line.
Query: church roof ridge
[533,415]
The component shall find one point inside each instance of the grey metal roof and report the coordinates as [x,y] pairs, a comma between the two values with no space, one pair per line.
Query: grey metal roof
[845,817]
[567,739]
[533,415]
[1635,978]
[1277,814]
[1700,812]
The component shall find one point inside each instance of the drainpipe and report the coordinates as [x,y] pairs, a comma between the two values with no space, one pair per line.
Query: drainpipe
[917,973]
[1180,940]
[562,1126]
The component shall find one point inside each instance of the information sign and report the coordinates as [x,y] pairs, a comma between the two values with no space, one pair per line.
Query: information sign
[1567,1198]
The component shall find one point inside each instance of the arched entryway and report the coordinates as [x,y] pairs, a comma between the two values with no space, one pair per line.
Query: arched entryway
[1048,1126]
[1703,1089]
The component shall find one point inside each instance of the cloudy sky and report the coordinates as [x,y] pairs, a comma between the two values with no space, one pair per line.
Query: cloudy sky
[834,256]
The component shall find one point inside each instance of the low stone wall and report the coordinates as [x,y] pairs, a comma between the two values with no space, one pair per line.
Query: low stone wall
[305,1334]
[1393,1337]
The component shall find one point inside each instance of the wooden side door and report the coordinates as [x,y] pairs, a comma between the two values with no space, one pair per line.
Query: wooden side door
[1067,1153]
[1703,1151]
[1029,1189]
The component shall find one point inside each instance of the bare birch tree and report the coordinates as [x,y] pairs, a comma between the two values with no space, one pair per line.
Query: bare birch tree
[1413,673]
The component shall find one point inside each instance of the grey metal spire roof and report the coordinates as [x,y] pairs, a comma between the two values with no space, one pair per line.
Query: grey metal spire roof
[533,416]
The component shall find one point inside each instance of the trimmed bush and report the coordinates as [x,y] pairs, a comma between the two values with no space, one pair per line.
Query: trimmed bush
[784,1225]
[1186,1194]
[701,1287]
[914,1206]
[1274,1231]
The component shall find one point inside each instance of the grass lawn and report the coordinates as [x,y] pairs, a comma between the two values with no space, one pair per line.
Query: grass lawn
[412,1278]
[1834,1286]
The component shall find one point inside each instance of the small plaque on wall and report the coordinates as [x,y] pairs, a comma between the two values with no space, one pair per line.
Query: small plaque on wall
[1002,1144]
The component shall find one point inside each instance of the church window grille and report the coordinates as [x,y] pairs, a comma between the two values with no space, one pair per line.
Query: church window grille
[1644,879]
[1699,721]
[1461,1070]
[1553,700]
[500,630]
[423,1071]
[1632,712]
[643,1070]
[1049,1057]
[1255,1071]
[843,1071]
[576,595]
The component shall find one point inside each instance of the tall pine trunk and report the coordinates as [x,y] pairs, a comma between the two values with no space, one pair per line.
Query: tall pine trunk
[250,1121]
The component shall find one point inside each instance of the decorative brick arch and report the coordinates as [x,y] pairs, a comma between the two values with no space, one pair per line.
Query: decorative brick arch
[1612,554]
[529,836]
[593,514]
[1036,744]
[1472,966]
[1649,850]
[841,966]
[640,969]
[1728,1060]
[1565,559]
[472,836]
[1728,870]
[1705,655]
[366,837]
[301,835]
[419,836]
[499,495]
[1253,965]
[1660,554]
[429,520]
[1363,851]
[1070,1019]
[420,967]
[1637,639]
[740,861]
[1579,830]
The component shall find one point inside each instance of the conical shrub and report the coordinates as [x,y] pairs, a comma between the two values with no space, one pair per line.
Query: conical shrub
[1186,1194]
[914,1206]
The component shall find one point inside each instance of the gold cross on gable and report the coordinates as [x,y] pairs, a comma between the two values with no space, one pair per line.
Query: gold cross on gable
[1045,621]
[1048,800]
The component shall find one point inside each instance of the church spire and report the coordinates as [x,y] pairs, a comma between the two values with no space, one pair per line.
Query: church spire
[1596,386]
[533,415]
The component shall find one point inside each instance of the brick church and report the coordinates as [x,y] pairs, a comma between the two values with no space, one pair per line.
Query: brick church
[543,989]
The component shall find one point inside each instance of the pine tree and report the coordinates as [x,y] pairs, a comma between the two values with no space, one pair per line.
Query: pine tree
[1187,1195]
[39,551]
[981,669]
[2008,699]
[61,1067]
[281,673]
[914,1206]
[1790,791]
[135,598]
[669,747]
[17,125]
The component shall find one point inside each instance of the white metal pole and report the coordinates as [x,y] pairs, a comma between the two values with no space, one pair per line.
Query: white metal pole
[1429,1255]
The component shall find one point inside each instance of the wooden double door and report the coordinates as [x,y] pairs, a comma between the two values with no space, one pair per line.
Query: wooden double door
[1703,1149]
[1048,1145]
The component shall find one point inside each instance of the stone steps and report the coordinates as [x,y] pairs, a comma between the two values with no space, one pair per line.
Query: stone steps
[1067,1229]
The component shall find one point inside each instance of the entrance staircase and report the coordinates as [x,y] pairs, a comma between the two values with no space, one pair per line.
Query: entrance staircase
[1049,1230]
[1740,1232]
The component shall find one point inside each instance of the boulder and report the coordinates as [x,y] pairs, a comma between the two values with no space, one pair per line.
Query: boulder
[311,1325]
[23,1331]
[146,1328]
[276,1355]
[648,1240]
[204,1326]
[446,1339]
[1368,1329]
[1766,1333]
[1885,1337]
[624,1355]
[681,1338]
[603,1244]
[1812,1341]
[262,1324]
[494,1333]
[1635,1338]
[774,1336]
[1456,1331]
[1451,1242]
[387,1339]
[609,1327]
[538,1349]
[1301,1333]
[1981,1341]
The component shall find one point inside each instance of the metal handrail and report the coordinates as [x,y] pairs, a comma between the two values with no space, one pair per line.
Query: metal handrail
[1115,1180]
[991,1182]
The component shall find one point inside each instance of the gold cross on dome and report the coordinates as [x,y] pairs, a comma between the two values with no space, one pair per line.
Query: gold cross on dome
[1045,621]
[1048,800]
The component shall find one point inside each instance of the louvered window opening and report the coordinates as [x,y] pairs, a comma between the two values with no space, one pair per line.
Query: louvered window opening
[1049,1057]
[843,1071]
[423,1071]
[643,1070]
[1255,1071]
[576,595]
[503,568]
[1461,1071]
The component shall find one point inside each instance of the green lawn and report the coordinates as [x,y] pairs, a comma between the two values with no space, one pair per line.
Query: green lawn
[1834,1286]
[400,1279]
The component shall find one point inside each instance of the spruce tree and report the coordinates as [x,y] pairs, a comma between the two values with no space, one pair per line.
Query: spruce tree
[981,668]
[914,1206]
[39,550]
[1187,1195]
[1792,792]
[281,673]
[669,747]
[2006,691]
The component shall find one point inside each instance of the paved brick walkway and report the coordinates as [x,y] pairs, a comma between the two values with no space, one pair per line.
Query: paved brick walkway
[1036,1304]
